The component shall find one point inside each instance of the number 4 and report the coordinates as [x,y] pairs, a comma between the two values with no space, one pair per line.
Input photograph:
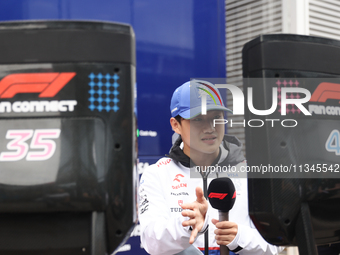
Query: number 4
[333,142]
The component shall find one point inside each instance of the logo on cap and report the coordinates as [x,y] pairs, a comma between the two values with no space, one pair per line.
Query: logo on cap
[204,91]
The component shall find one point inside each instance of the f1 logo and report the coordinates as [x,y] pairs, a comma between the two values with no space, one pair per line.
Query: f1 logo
[47,84]
[324,91]
[218,195]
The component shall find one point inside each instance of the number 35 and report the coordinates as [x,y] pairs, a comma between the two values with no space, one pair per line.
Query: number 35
[19,149]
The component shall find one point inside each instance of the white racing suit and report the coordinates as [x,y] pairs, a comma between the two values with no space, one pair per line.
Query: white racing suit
[166,185]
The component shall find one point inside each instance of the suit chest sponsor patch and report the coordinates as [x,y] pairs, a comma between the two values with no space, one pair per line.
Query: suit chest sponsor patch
[178,182]
[179,194]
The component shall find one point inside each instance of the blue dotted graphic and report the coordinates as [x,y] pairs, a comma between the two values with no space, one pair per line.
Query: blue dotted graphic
[103,92]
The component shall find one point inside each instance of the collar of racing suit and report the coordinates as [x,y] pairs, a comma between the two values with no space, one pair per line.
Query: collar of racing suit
[230,152]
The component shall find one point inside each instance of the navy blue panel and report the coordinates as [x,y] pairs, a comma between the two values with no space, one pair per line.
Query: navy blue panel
[11,10]
[41,9]
[180,40]
[104,10]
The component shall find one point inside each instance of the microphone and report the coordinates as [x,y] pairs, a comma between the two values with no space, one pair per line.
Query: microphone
[222,195]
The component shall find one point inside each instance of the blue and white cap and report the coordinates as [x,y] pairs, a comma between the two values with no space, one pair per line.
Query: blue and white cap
[186,101]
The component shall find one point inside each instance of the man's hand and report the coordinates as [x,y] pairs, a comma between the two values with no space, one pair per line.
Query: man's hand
[225,232]
[196,212]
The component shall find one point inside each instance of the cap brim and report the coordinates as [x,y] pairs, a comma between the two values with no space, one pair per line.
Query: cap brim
[191,113]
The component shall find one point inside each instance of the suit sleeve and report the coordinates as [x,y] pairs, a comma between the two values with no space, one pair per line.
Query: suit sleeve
[249,241]
[161,231]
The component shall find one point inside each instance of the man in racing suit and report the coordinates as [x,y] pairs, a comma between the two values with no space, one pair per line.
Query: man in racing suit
[173,212]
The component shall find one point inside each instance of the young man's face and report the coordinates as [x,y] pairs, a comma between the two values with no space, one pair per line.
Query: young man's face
[200,136]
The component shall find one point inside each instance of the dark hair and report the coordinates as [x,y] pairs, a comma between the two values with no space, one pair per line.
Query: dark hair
[178,118]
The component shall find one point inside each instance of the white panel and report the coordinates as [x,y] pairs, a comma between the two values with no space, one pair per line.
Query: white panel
[324,18]
[295,16]
[324,13]
[245,20]
[325,23]
[323,5]
[332,2]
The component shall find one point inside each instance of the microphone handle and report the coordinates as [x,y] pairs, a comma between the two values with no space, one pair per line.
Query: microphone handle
[223,216]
